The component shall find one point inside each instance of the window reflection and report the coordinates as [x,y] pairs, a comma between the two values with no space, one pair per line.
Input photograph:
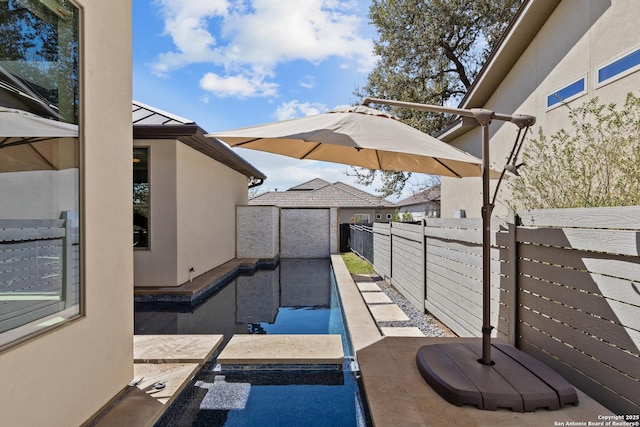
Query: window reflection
[140,197]
[39,166]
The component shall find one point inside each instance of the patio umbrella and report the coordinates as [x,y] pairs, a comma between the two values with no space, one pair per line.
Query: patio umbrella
[29,142]
[362,136]
[358,136]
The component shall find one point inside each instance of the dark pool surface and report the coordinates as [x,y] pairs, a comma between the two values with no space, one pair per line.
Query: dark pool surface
[269,399]
[297,297]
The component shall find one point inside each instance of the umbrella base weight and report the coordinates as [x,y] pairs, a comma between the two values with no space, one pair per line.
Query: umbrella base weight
[515,380]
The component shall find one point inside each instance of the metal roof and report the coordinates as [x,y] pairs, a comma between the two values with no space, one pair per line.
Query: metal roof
[153,123]
[319,193]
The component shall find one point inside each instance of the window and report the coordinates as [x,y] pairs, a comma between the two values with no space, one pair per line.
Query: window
[618,68]
[361,218]
[40,244]
[567,93]
[389,216]
[378,216]
[141,198]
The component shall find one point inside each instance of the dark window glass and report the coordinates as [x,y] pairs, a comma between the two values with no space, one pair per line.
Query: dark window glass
[140,197]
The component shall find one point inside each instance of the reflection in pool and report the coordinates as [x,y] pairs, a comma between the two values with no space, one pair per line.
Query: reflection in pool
[297,297]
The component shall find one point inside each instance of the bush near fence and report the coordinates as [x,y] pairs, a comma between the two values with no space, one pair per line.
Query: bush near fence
[565,287]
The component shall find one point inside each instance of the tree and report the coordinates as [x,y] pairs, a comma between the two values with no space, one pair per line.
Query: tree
[594,164]
[430,52]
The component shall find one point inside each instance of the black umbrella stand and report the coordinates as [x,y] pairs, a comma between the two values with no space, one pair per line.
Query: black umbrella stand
[463,371]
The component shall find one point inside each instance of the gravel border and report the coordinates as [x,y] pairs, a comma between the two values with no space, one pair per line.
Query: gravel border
[428,324]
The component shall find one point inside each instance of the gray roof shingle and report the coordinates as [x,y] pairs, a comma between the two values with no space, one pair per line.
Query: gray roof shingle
[320,193]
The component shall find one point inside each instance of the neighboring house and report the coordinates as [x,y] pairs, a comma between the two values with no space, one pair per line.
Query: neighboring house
[186,189]
[60,368]
[571,50]
[314,217]
[354,205]
[425,204]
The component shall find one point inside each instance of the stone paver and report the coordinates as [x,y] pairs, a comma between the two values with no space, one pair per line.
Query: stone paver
[387,313]
[402,331]
[376,298]
[174,348]
[368,287]
[282,349]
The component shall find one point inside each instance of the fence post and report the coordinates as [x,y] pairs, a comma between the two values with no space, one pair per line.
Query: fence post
[67,255]
[514,289]
[423,222]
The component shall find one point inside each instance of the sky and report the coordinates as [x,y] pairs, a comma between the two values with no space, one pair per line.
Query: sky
[227,64]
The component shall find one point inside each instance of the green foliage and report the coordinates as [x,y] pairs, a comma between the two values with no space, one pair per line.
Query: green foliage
[430,52]
[355,264]
[406,217]
[396,215]
[594,164]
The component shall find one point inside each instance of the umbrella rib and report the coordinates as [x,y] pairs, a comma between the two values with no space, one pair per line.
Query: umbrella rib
[447,167]
[311,151]
[378,159]
[243,143]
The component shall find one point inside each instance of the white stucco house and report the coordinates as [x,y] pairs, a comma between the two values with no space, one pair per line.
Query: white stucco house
[554,52]
[186,189]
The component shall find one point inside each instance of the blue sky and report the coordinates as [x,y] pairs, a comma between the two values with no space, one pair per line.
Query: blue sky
[232,63]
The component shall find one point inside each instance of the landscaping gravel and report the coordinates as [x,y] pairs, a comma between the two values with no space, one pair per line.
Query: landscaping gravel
[429,326]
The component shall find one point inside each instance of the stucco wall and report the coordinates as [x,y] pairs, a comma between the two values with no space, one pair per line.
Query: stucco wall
[207,195]
[579,37]
[156,266]
[38,194]
[64,376]
[257,231]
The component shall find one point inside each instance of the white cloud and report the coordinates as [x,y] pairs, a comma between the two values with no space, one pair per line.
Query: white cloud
[254,36]
[308,82]
[295,108]
[238,86]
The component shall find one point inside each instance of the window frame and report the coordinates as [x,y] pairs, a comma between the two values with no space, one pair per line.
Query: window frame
[620,75]
[50,323]
[572,97]
[148,204]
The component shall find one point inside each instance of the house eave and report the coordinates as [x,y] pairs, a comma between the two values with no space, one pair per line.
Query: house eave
[194,136]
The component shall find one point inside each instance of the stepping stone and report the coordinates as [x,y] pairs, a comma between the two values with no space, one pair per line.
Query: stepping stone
[368,287]
[402,331]
[387,313]
[376,298]
[174,348]
[282,349]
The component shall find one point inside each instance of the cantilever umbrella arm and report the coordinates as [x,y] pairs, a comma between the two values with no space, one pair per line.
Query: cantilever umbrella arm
[483,118]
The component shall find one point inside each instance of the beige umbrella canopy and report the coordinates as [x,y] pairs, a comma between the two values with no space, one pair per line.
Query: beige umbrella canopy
[29,142]
[358,136]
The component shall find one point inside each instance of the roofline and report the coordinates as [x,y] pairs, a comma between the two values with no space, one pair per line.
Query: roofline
[525,25]
[194,136]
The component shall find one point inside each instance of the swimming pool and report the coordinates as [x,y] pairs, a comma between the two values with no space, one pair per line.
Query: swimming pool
[299,296]
[269,400]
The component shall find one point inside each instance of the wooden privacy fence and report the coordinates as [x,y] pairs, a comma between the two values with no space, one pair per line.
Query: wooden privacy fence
[565,288]
[39,269]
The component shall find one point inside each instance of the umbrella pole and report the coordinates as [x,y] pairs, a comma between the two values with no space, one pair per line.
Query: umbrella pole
[484,118]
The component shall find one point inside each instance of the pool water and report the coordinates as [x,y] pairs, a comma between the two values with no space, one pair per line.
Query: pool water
[299,296]
[269,400]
